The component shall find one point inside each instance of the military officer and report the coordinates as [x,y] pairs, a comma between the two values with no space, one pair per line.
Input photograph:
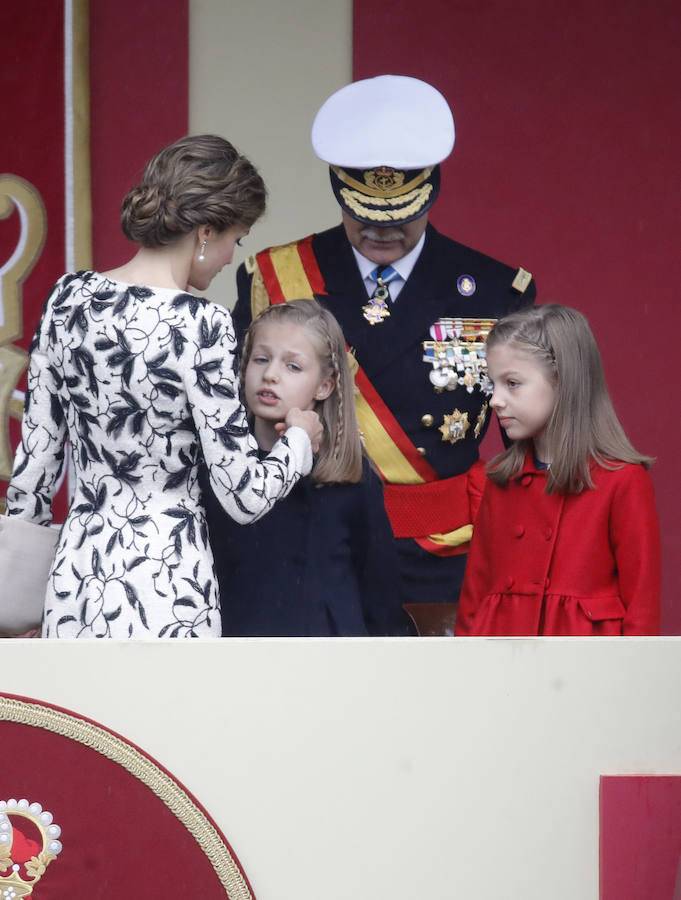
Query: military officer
[415,308]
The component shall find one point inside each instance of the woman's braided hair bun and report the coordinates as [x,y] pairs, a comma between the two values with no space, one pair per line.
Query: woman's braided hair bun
[198,180]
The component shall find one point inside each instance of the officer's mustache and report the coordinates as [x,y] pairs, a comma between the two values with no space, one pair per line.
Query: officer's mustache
[383,235]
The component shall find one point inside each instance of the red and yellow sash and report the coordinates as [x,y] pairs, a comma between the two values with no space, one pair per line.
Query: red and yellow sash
[435,512]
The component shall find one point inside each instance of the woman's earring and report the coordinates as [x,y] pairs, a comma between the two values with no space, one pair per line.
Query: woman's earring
[202,251]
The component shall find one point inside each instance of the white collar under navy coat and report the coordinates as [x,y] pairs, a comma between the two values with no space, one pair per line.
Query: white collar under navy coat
[402,266]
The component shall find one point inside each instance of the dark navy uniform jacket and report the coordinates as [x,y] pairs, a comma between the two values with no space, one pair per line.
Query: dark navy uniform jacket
[391,354]
[321,563]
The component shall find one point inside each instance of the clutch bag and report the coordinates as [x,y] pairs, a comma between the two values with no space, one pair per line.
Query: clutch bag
[26,554]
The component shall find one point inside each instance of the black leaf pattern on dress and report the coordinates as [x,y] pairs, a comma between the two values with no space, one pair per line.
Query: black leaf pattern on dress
[56,411]
[142,382]
[209,336]
[122,303]
[179,340]
[234,430]
[124,467]
[224,390]
[77,319]
[104,344]
[190,301]
[84,363]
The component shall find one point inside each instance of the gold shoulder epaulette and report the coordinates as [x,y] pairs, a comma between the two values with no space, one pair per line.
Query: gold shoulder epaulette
[249,263]
[522,280]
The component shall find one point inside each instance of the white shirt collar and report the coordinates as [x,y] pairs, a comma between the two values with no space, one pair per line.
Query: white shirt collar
[402,266]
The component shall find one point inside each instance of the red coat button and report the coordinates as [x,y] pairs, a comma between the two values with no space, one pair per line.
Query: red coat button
[509,582]
[526,480]
[519,531]
[548,534]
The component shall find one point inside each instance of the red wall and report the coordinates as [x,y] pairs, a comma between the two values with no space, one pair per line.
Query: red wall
[566,162]
[139,102]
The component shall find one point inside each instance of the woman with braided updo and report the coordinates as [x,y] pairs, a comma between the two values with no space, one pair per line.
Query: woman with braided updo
[139,374]
[322,564]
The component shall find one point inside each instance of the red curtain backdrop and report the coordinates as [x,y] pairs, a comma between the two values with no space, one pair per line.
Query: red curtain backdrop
[139,85]
[568,121]
[32,155]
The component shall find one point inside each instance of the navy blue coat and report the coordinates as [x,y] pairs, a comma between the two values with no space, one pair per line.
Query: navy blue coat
[391,354]
[321,563]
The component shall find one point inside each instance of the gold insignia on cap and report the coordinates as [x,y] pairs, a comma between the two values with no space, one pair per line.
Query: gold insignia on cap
[522,280]
[396,190]
[455,427]
[384,178]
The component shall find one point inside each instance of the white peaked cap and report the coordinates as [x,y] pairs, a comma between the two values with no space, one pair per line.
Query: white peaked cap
[391,120]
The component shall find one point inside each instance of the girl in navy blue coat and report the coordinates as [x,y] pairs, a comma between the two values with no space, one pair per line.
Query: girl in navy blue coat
[322,562]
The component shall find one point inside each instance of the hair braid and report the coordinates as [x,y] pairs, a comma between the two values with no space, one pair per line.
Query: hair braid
[337,387]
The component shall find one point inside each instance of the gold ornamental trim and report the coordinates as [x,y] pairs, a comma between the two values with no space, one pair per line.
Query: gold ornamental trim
[142,768]
[415,201]
[21,197]
[370,191]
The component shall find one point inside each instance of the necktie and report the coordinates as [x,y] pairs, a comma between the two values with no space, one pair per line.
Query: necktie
[377,308]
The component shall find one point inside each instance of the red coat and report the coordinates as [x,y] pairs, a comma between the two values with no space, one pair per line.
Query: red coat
[556,564]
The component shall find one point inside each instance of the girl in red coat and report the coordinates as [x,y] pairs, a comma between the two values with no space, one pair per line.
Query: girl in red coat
[566,539]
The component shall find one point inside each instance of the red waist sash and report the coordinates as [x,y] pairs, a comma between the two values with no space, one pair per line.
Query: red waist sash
[419,510]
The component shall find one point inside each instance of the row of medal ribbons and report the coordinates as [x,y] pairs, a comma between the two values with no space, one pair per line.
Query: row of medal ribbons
[457,354]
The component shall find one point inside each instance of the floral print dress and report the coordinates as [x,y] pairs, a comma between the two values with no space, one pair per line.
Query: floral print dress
[141,381]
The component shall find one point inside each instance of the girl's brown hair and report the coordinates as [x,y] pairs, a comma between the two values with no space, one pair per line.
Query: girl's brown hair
[198,180]
[340,453]
[583,427]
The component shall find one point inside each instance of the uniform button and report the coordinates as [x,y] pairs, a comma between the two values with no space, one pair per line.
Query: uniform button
[548,534]
[526,480]
[427,420]
[509,582]
[547,583]
[519,531]
[421,450]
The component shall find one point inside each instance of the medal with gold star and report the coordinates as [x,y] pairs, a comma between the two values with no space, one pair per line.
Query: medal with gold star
[375,311]
[455,426]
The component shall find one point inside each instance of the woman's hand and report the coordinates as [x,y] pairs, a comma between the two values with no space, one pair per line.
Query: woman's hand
[306,419]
